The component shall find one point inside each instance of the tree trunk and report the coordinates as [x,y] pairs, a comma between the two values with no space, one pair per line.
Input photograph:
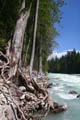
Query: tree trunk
[18,37]
[27,49]
[34,37]
[40,58]
[23,55]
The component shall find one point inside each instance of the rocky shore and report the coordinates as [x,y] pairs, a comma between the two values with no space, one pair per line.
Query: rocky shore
[25,98]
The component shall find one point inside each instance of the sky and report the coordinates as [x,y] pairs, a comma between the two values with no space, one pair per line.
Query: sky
[69,27]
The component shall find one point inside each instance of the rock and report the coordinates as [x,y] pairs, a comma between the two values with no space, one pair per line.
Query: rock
[22,97]
[22,88]
[73,92]
[58,108]
[49,85]
[65,107]
[78,96]
[56,105]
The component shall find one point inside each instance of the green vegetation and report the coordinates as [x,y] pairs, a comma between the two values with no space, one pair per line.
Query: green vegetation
[70,63]
[48,15]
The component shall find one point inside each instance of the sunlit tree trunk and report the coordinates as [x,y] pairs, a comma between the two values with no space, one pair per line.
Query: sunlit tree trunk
[40,58]
[34,36]
[18,37]
[23,55]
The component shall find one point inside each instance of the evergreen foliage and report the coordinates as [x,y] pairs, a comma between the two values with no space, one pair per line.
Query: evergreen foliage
[70,63]
[49,15]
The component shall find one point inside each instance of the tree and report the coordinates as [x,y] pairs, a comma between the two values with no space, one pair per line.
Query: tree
[34,36]
[18,37]
[40,58]
[66,64]
[48,15]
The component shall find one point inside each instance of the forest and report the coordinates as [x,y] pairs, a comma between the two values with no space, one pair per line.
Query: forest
[27,37]
[40,30]
[69,63]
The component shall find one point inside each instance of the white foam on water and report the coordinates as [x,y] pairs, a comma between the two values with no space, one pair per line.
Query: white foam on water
[66,83]
[58,88]
[68,78]
[67,96]
[50,91]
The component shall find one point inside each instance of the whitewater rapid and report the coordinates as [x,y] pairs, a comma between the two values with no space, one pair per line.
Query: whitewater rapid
[63,84]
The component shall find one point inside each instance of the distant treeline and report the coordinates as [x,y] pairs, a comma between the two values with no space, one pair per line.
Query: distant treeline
[70,63]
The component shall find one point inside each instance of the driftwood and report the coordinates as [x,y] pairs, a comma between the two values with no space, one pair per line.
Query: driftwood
[29,100]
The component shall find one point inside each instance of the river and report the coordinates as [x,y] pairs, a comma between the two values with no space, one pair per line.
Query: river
[62,85]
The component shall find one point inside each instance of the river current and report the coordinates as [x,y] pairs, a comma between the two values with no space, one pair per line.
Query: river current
[63,84]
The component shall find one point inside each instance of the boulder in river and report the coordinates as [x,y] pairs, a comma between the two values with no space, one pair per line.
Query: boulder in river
[73,92]
[78,96]
[50,85]
[59,108]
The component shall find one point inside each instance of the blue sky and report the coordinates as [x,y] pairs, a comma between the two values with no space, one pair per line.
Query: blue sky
[70,31]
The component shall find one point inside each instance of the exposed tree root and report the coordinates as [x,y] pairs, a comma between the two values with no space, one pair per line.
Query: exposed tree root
[28,100]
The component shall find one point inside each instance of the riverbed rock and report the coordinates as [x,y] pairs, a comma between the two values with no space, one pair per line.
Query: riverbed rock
[50,85]
[58,108]
[73,92]
[78,96]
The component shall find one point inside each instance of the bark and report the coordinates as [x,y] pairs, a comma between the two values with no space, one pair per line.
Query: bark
[18,37]
[28,47]
[40,58]
[34,37]
[27,50]
[29,100]
[23,55]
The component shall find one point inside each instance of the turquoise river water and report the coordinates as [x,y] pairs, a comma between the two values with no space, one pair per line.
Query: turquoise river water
[62,85]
